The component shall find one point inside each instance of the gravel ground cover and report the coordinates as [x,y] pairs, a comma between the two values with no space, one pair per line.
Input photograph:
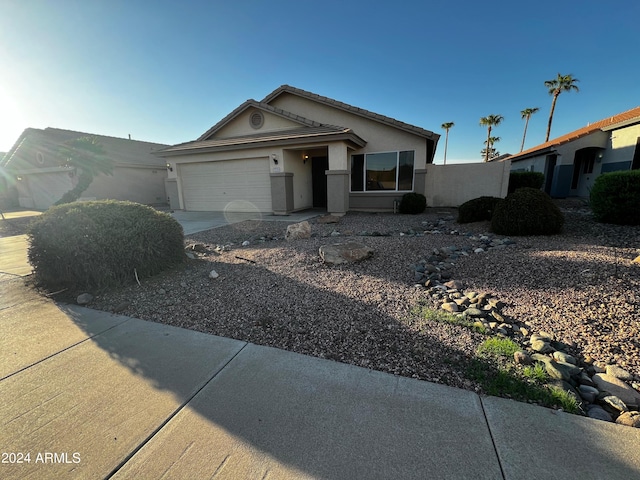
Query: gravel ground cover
[580,286]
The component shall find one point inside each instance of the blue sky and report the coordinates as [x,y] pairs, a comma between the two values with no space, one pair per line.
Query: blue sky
[166,71]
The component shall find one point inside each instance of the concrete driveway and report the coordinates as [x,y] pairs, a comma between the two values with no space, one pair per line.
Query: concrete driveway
[194,222]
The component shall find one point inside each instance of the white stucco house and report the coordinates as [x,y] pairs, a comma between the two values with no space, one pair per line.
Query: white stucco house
[572,162]
[33,177]
[295,150]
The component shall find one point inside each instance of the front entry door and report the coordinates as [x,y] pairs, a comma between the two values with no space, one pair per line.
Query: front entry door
[319,181]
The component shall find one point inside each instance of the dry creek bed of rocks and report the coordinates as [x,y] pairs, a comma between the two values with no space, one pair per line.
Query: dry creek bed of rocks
[573,298]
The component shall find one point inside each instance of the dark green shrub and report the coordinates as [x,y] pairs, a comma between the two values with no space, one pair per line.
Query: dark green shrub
[102,243]
[615,198]
[527,211]
[525,180]
[413,203]
[477,210]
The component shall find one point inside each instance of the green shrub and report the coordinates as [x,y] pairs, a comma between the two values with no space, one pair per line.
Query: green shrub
[615,198]
[413,203]
[525,180]
[102,243]
[477,210]
[527,211]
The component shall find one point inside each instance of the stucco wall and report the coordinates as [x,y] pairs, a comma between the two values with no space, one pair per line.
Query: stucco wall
[379,137]
[142,185]
[240,125]
[452,185]
[622,144]
[302,187]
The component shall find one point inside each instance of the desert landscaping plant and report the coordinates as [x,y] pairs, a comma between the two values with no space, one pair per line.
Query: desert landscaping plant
[102,243]
[615,198]
[477,210]
[413,203]
[527,211]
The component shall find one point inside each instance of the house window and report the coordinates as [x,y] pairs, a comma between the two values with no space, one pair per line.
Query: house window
[388,171]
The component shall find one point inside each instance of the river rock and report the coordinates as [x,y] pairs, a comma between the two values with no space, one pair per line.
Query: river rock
[588,393]
[84,299]
[213,274]
[339,253]
[618,372]
[615,403]
[599,413]
[564,357]
[298,230]
[451,307]
[541,346]
[630,419]
[522,358]
[618,388]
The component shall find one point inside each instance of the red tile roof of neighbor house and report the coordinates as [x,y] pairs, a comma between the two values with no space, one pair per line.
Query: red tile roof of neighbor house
[604,124]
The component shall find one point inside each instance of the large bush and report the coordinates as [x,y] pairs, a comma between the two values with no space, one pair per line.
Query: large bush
[525,180]
[413,203]
[527,211]
[102,243]
[477,210]
[615,198]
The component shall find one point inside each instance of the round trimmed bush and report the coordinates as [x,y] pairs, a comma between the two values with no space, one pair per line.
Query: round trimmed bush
[102,243]
[527,211]
[477,209]
[615,198]
[413,203]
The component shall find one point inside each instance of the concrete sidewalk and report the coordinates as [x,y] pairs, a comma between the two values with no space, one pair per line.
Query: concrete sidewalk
[89,394]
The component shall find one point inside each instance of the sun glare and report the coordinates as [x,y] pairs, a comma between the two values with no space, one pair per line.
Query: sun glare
[12,123]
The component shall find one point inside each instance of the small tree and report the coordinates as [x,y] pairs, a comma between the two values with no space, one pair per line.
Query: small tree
[87,156]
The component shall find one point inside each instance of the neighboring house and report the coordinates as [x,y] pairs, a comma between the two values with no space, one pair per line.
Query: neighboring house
[296,150]
[36,179]
[572,162]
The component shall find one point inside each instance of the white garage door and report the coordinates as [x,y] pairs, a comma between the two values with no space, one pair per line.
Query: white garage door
[48,188]
[230,185]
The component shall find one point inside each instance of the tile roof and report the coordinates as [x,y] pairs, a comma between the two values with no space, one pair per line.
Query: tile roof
[298,135]
[608,123]
[350,108]
[122,150]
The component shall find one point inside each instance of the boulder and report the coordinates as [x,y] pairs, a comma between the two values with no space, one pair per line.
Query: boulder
[338,253]
[298,230]
[618,372]
[617,387]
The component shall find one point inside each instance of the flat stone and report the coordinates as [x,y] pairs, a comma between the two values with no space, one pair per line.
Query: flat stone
[339,253]
[328,219]
[615,403]
[618,388]
[474,312]
[450,307]
[456,284]
[618,372]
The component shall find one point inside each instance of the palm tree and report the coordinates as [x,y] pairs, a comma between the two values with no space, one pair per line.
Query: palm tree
[446,126]
[562,83]
[489,148]
[87,155]
[526,114]
[490,121]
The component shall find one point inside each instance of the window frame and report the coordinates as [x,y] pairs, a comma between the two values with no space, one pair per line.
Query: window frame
[364,172]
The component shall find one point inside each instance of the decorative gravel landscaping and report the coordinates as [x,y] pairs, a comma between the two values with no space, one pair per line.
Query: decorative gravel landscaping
[581,289]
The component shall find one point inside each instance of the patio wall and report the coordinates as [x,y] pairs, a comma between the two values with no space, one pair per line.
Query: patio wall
[452,185]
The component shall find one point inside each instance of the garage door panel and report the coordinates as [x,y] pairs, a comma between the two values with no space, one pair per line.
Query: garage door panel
[235,185]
